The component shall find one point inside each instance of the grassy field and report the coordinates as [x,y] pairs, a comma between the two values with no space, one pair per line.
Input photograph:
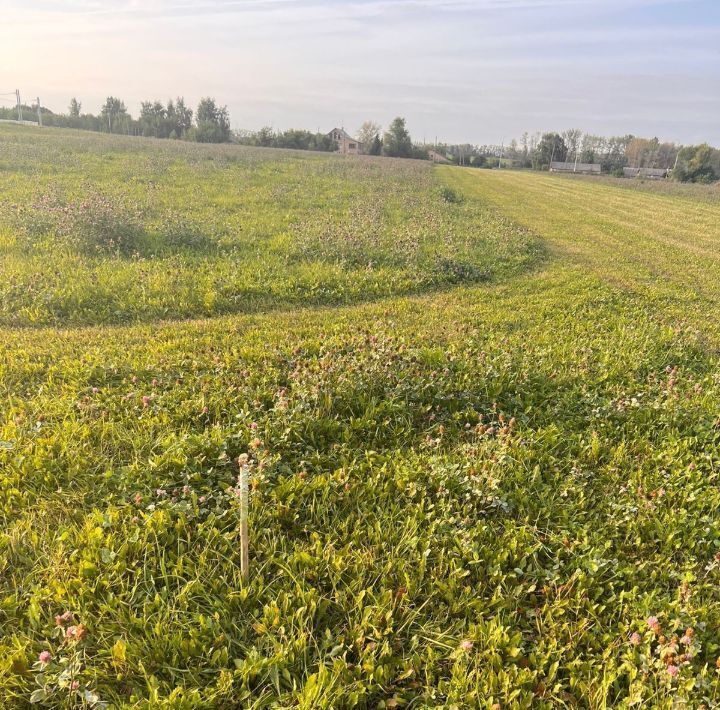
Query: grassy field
[167,230]
[485,467]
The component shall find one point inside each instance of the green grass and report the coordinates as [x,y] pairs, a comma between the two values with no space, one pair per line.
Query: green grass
[467,494]
[164,230]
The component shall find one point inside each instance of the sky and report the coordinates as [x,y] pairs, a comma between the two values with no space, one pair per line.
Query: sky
[478,71]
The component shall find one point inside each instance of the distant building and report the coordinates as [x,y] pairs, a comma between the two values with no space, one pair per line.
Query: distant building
[346,144]
[651,173]
[583,168]
[438,157]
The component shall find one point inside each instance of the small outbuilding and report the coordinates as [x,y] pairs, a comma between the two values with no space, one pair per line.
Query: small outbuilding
[438,157]
[346,144]
[650,173]
[582,168]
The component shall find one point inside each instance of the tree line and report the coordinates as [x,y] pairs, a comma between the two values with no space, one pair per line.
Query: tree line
[694,163]
[395,142]
[209,123]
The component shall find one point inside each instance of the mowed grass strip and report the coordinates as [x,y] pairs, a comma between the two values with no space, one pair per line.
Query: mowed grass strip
[666,242]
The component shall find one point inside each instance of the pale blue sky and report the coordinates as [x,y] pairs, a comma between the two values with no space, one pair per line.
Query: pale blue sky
[475,70]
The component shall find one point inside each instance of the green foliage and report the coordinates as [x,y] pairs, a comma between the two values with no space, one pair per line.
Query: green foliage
[74,108]
[397,142]
[448,194]
[291,139]
[212,123]
[173,120]
[699,163]
[376,145]
[115,115]
[498,493]
[551,148]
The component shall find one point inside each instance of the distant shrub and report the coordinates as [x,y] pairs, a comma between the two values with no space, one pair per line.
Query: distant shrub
[449,195]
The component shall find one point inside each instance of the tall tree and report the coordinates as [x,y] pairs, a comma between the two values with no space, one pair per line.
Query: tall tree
[366,134]
[182,115]
[698,163]
[397,142]
[212,122]
[642,153]
[572,138]
[550,148]
[376,146]
[153,117]
[113,112]
[74,108]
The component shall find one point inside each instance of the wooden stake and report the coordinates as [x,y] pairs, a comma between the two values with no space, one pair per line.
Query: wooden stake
[244,538]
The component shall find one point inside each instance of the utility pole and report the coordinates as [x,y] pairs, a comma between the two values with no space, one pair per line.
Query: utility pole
[39,112]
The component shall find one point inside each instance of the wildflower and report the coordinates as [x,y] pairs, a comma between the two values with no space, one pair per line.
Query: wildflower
[62,619]
[204,410]
[686,640]
[154,382]
[161,493]
[45,657]
[145,401]
[654,624]
[75,685]
[466,645]
[253,426]
[673,670]
[186,490]
[202,499]
[75,633]
[138,499]
[635,639]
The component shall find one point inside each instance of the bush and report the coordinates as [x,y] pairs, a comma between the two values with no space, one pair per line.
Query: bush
[449,195]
